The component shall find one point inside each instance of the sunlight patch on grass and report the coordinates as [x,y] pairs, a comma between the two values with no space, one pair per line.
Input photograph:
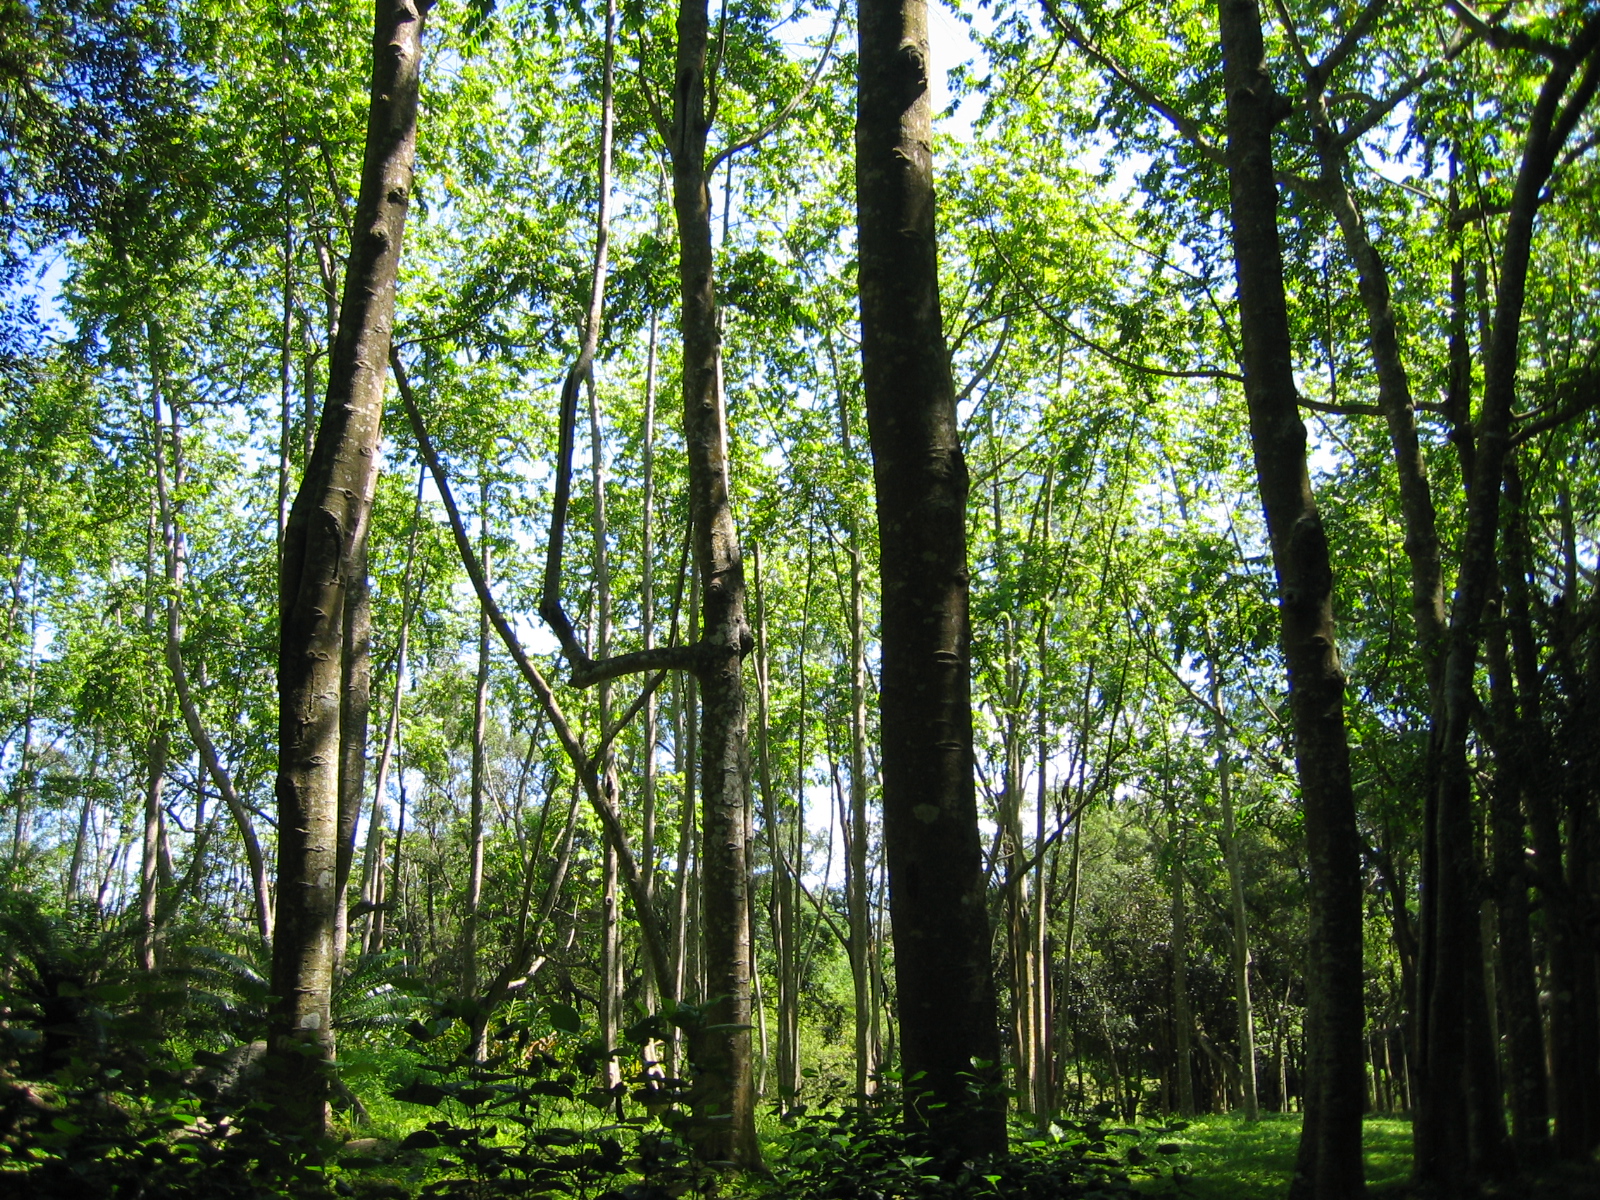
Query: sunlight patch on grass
[1229,1158]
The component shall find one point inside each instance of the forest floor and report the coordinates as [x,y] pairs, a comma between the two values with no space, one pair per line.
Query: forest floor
[1229,1158]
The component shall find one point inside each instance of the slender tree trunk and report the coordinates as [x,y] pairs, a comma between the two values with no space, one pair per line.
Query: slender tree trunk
[286,355]
[372,864]
[856,883]
[1066,1029]
[783,934]
[1039,1066]
[647,607]
[1330,1163]
[85,813]
[149,881]
[355,706]
[1182,1017]
[175,557]
[721,1049]
[1241,922]
[610,998]
[1446,1148]
[944,987]
[685,753]
[324,545]
[480,718]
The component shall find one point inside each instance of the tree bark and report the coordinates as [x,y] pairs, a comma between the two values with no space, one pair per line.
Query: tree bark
[324,545]
[1444,1145]
[372,867]
[149,889]
[783,902]
[856,881]
[1329,1164]
[480,766]
[945,990]
[1182,1018]
[1241,922]
[1519,987]
[721,1048]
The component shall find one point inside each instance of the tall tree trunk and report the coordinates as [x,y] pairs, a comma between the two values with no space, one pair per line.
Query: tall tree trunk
[1534,758]
[944,987]
[149,889]
[1519,987]
[647,621]
[1329,1166]
[1040,1073]
[85,813]
[1445,1146]
[1243,1011]
[856,879]
[721,1048]
[355,706]
[324,545]
[610,997]
[372,865]
[1182,1017]
[480,719]
[783,903]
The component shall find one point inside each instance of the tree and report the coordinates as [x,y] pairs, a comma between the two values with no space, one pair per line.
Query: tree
[946,1005]
[323,567]
[1329,1163]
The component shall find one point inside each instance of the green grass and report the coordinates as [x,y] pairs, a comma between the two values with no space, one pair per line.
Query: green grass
[1229,1158]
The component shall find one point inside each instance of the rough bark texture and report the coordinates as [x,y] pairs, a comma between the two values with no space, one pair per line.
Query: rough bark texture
[936,891]
[1330,1164]
[324,545]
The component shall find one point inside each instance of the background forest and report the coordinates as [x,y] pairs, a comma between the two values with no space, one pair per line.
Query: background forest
[179,180]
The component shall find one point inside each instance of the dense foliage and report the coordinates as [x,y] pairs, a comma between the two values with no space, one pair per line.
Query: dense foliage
[177,186]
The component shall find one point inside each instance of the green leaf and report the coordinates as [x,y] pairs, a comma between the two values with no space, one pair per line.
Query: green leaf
[419,1091]
[564,1018]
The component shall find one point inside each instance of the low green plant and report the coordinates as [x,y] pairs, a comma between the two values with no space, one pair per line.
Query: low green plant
[536,1117]
[867,1151]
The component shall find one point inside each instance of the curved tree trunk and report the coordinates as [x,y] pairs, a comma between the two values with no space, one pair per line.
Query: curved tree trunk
[324,546]
[1330,1164]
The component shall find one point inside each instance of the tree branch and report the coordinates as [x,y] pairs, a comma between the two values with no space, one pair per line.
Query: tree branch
[1187,126]
[795,101]
[601,791]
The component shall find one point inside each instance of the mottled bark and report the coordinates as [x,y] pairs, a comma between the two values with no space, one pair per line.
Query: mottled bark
[1329,1164]
[945,989]
[324,545]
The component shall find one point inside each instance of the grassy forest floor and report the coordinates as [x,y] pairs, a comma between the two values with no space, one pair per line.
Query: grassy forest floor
[1229,1158]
